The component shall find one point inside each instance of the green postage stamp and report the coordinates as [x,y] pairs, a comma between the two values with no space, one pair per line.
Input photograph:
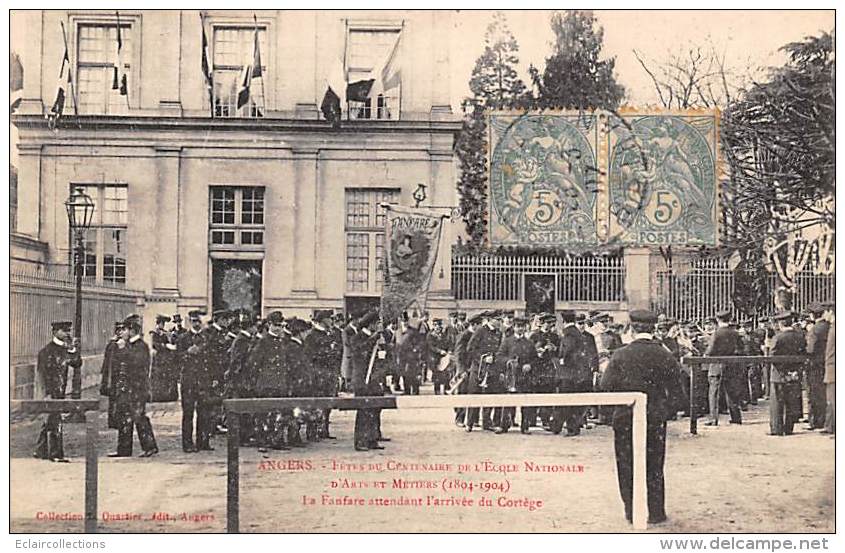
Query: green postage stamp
[578,180]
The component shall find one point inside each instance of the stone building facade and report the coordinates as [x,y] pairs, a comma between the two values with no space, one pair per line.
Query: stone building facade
[201,204]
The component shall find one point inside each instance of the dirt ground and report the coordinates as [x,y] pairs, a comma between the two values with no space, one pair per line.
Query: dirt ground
[726,479]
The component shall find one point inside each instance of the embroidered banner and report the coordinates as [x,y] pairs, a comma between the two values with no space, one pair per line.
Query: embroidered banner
[412,239]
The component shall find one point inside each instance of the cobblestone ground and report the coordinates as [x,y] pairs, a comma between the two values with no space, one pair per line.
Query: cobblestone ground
[726,479]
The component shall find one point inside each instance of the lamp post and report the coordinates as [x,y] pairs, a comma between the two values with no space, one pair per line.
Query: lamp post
[80,211]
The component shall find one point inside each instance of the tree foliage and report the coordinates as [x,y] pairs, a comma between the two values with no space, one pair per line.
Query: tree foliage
[575,76]
[495,85]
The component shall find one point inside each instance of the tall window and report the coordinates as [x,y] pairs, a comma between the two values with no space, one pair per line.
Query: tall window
[104,258]
[373,54]
[96,56]
[236,217]
[233,47]
[365,222]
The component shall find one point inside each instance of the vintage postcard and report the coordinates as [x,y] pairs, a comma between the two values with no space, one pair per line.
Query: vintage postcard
[422,271]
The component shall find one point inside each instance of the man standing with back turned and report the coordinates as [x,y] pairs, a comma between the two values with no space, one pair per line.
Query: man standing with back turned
[645,366]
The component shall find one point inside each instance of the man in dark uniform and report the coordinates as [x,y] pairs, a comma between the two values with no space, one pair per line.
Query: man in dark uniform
[439,346]
[645,366]
[194,385]
[164,382]
[106,371]
[361,341]
[325,352]
[272,380]
[299,370]
[725,380]
[178,328]
[516,361]
[546,342]
[785,393]
[410,353]
[575,374]
[462,364]
[481,352]
[584,326]
[751,346]
[131,373]
[217,363]
[814,371]
[241,378]
[54,359]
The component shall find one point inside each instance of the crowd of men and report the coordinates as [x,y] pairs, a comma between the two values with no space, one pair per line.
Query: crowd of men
[237,355]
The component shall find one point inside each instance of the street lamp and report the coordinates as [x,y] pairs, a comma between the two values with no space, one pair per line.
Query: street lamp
[80,211]
[419,194]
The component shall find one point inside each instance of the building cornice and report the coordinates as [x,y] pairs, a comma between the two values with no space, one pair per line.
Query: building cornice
[106,122]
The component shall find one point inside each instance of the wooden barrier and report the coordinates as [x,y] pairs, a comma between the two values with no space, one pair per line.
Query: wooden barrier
[694,362]
[635,399]
[91,410]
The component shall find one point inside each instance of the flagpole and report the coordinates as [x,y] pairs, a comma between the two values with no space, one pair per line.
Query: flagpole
[120,62]
[70,69]
[257,43]
[209,82]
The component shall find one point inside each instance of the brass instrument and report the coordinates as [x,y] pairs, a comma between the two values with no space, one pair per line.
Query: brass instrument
[510,377]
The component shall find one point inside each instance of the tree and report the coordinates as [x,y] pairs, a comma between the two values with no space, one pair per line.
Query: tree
[495,85]
[575,77]
[779,142]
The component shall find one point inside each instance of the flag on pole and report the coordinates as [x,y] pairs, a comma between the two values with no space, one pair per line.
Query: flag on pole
[206,66]
[387,74]
[332,99]
[64,85]
[250,71]
[412,239]
[120,80]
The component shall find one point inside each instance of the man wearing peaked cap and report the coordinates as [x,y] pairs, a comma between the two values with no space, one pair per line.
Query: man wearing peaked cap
[482,349]
[361,340]
[573,374]
[164,369]
[814,370]
[324,351]
[52,371]
[725,381]
[645,366]
[785,405]
[194,384]
[107,381]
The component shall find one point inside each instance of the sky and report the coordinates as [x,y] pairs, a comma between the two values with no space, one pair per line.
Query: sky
[746,38]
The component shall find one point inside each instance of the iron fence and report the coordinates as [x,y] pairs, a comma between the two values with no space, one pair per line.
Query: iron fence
[39,296]
[708,287]
[583,278]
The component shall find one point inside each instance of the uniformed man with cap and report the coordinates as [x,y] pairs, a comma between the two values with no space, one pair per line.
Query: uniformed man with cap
[645,366]
[583,324]
[241,376]
[324,351]
[130,363]
[299,370]
[814,370]
[546,342]
[194,385]
[361,341]
[273,381]
[54,361]
[178,329]
[785,379]
[516,363]
[574,374]
[217,359]
[164,381]
[439,347]
[725,380]
[482,350]
[464,383]
[106,371]
[410,352]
